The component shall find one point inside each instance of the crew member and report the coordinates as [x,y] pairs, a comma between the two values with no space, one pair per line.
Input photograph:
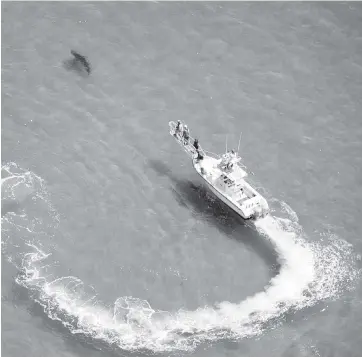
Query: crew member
[186,134]
[196,144]
[199,155]
[178,126]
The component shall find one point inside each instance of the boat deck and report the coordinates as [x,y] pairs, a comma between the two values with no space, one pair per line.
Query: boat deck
[238,191]
[212,173]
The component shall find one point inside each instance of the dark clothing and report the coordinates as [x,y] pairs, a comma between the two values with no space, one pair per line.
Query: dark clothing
[199,156]
[196,144]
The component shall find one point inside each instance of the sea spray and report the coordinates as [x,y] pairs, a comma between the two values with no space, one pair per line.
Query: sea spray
[309,272]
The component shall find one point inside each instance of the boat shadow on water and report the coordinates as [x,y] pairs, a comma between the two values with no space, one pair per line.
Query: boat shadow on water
[198,198]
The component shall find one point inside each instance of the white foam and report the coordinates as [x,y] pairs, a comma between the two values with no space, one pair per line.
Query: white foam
[309,272]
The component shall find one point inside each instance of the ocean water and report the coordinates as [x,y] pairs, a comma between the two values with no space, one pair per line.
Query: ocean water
[111,246]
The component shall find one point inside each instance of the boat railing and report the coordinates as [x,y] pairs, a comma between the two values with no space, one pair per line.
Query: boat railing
[242,166]
[213,155]
[189,143]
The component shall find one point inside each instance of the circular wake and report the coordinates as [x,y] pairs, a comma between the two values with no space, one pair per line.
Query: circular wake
[309,273]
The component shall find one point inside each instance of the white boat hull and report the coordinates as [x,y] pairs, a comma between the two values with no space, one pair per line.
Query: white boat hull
[221,197]
[242,199]
[245,214]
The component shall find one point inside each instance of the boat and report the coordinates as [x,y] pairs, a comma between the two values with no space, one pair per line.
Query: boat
[225,175]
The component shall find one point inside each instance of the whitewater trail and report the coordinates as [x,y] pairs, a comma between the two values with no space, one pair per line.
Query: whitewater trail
[309,273]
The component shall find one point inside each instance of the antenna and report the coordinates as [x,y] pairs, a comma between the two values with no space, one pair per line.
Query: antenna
[226,148]
[239,141]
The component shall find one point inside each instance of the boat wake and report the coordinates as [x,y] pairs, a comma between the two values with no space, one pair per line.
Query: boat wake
[310,272]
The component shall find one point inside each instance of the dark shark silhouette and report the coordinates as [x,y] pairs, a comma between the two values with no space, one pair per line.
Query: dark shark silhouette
[82,59]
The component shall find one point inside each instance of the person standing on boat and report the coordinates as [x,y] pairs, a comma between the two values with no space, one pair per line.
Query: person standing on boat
[186,134]
[178,128]
[178,125]
[197,147]
[199,155]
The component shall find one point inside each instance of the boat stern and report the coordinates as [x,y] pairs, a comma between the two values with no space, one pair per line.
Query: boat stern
[261,210]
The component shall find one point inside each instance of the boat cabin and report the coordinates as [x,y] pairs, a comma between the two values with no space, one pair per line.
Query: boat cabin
[229,164]
[233,188]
